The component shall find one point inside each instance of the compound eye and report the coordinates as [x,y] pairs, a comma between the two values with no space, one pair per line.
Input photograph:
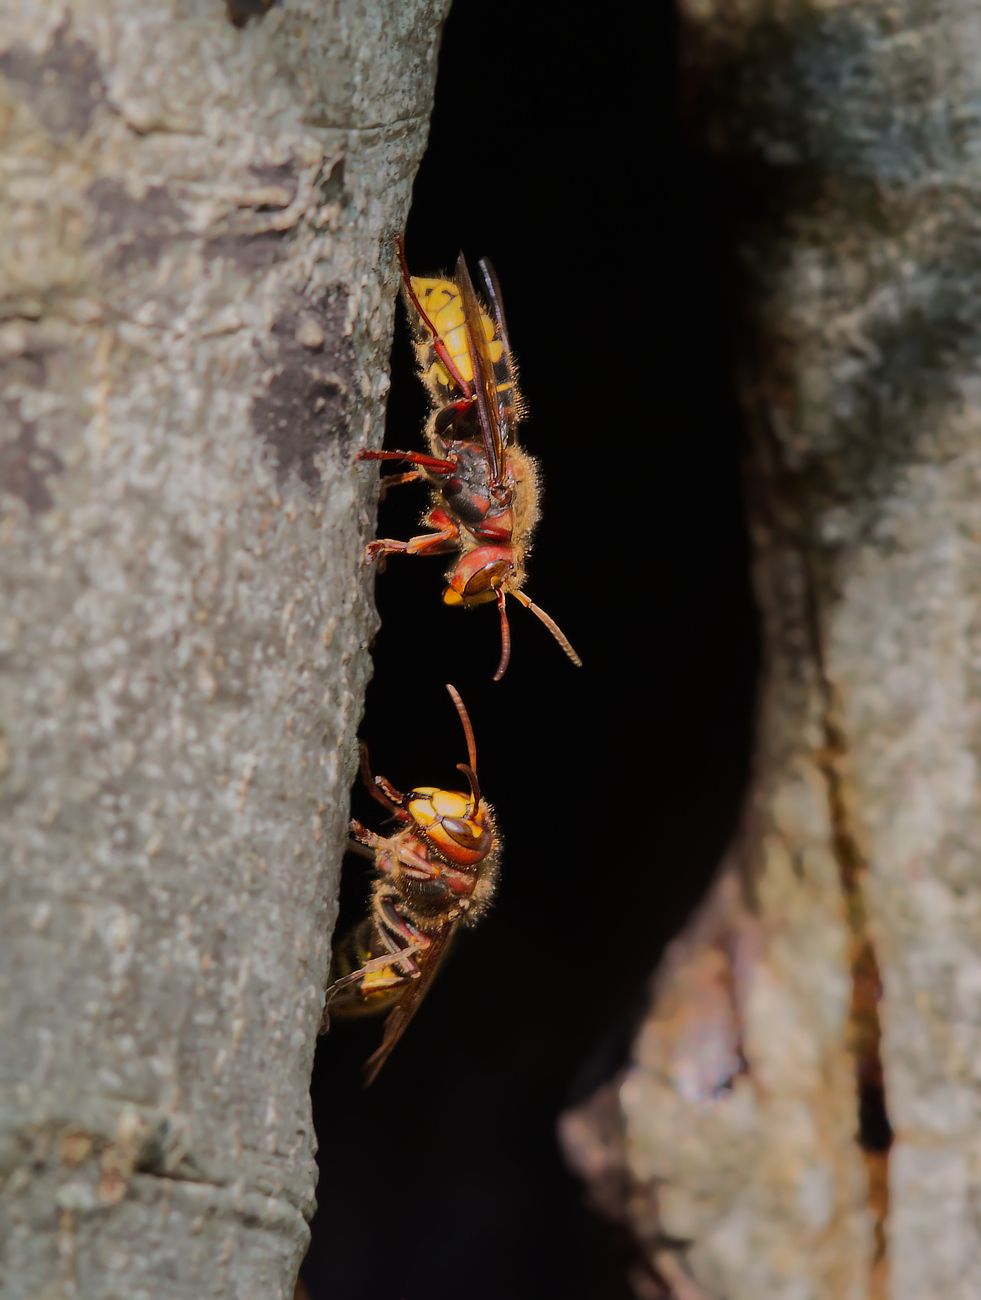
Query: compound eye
[487,579]
[461,832]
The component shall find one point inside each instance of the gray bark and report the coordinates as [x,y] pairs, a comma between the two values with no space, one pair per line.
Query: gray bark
[197,290]
[730,1142]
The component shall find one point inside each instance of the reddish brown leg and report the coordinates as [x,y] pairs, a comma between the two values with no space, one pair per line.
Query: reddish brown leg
[383,784]
[417,865]
[396,480]
[447,415]
[380,788]
[435,542]
[391,928]
[390,921]
[376,963]
[412,863]
[425,544]
[379,963]
[382,548]
[363,836]
[432,463]
[353,846]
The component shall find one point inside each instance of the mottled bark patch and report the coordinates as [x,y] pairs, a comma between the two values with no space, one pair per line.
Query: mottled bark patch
[63,84]
[134,230]
[333,188]
[29,370]
[306,403]
[240,11]
[249,252]
[24,466]
[283,174]
[594,1141]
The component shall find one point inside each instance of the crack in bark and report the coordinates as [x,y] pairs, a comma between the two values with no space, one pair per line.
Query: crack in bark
[784,525]
[874,1134]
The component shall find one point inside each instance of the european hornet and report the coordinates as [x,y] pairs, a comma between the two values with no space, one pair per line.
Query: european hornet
[485,488]
[437,872]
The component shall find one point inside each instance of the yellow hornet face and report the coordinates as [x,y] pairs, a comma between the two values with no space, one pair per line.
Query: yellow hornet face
[478,576]
[452,597]
[442,817]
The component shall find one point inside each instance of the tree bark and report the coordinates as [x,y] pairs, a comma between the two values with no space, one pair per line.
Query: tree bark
[197,290]
[748,1144]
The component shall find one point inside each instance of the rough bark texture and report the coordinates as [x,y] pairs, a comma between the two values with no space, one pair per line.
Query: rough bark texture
[730,1143]
[195,262]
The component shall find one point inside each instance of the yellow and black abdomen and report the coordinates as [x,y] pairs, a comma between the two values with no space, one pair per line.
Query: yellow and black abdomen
[355,950]
[442,302]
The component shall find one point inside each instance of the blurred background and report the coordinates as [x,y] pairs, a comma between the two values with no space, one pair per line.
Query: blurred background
[558,152]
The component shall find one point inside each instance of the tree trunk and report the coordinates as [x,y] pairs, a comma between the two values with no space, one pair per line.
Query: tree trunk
[195,222]
[749,1142]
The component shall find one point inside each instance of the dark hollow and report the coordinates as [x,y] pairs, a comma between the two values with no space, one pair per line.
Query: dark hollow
[616,785]
[874,1129]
